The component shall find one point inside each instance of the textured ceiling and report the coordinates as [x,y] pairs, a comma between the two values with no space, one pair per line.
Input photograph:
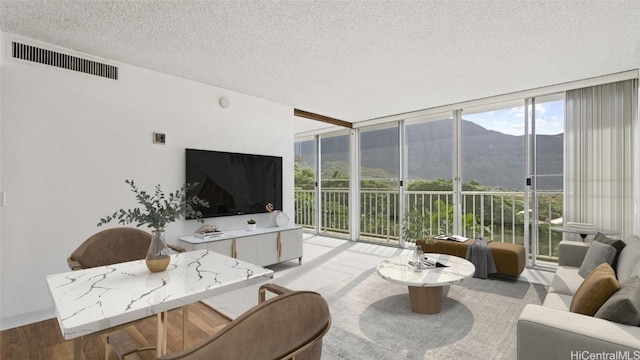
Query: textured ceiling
[346,59]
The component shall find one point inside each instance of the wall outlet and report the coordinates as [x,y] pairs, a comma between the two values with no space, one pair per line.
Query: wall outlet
[159,138]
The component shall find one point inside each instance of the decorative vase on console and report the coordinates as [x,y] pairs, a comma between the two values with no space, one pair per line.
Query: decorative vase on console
[276,217]
[158,211]
[272,214]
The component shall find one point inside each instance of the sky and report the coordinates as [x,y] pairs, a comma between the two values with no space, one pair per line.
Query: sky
[549,119]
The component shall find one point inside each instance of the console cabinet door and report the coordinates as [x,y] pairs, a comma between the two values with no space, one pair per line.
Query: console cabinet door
[259,249]
[291,245]
[267,249]
[247,249]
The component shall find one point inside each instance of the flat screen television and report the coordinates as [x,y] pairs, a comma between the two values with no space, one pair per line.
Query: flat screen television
[234,183]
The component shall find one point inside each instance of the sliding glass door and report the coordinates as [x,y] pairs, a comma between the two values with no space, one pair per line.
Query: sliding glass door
[305,165]
[429,172]
[512,173]
[545,178]
[493,172]
[334,181]
[379,183]
[321,181]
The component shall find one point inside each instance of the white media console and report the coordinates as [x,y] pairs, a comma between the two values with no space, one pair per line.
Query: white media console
[262,246]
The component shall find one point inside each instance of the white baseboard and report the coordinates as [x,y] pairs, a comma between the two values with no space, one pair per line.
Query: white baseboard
[25,319]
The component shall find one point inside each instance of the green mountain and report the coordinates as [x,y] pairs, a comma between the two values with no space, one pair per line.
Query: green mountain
[491,158]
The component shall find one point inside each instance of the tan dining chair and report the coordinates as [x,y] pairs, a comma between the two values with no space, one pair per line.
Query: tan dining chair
[290,325]
[112,246]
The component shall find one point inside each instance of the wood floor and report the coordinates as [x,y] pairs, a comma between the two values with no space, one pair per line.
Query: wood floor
[43,340]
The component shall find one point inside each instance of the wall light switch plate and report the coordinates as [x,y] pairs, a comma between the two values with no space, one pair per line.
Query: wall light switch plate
[3,198]
[159,138]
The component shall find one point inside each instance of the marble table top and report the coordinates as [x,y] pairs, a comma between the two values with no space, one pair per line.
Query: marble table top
[398,270]
[99,298]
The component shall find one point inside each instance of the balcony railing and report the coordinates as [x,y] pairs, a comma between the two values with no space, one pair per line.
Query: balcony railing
[495,215]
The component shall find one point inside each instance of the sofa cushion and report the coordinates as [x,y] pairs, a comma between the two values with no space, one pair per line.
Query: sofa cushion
[628,258]
[595,290]
[617,244]
[566,281]
[572,253]
[558,301]
[623,306]
[597,254]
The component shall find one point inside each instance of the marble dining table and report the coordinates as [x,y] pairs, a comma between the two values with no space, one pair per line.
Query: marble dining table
[95,299]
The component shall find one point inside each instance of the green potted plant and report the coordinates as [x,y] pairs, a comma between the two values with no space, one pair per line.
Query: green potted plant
[158,211]
[251,224]
[415,226]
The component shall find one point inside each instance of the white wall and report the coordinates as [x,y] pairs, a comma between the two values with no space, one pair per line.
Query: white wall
[69,140]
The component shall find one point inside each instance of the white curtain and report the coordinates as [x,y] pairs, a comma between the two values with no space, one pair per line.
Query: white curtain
[601,125]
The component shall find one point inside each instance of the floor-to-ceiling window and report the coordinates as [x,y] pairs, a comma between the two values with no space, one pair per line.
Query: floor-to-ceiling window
[334,183]
[493,171]
[429,172]
[379,183]
[304,182]
[512,172]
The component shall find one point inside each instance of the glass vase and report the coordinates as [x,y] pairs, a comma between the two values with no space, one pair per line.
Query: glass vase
[158,254]
[418,255]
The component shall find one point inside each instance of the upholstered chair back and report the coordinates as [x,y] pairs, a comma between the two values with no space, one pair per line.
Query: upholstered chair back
[288,326]
[111,246]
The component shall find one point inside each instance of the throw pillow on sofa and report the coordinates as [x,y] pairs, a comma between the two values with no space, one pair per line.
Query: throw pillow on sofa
[597,254]
[617,244]
[628,260]
[595,290]
[623,306]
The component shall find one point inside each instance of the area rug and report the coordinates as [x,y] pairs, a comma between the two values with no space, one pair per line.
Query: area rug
[372,318]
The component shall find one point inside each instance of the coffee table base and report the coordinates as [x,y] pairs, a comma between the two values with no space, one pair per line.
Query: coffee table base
[425,300]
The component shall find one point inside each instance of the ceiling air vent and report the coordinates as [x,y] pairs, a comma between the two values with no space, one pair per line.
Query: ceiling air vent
[48,57]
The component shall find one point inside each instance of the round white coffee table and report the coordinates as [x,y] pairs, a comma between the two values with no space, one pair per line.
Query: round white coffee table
[425,286]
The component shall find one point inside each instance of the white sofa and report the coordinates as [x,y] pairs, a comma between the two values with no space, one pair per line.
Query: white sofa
[551,331]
